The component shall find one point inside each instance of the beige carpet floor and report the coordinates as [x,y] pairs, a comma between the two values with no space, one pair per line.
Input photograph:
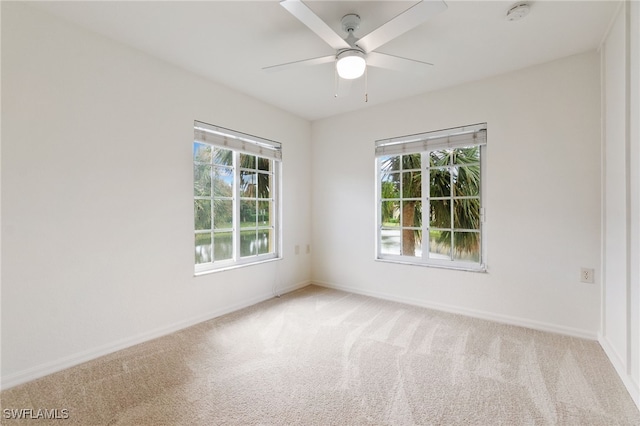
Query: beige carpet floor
[324,357]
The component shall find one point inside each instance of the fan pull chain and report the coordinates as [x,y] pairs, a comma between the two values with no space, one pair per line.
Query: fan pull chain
[366,85]
[335,82]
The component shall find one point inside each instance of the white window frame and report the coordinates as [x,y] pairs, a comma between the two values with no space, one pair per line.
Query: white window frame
[241,143]
[424,143]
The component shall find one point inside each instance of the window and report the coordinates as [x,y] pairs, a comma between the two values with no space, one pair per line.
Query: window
[235,188]
[429,198]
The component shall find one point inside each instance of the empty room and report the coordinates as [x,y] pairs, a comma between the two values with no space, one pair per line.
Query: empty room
[320,212]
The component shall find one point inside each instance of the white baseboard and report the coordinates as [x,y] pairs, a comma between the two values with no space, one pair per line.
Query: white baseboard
[619,365]
[504,319]
[45,369]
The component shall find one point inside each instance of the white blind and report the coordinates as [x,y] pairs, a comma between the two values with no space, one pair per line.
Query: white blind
[225,138]
[458,137]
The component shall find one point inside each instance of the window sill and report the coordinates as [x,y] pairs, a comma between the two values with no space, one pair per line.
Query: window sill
[235,266]
[464,268]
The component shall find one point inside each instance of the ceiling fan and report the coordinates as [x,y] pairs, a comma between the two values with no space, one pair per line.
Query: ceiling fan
[354,54]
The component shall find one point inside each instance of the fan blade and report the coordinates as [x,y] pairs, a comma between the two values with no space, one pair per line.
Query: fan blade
[302,63]
[398,63]
[315,24]
[407,20]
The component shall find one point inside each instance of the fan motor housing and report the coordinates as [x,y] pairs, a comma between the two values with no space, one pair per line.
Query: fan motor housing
[350,23]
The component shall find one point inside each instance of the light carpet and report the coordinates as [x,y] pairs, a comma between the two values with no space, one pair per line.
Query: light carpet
[325,357]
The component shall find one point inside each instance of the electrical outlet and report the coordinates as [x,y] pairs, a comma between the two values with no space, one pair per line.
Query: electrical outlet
[297,249]
[308,248]
[586,275]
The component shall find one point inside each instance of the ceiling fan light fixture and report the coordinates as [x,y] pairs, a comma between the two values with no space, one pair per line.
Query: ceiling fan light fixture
[351,64]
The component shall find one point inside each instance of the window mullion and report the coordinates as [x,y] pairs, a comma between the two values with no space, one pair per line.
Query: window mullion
[235,226]
[482,207]
[451,203]
[378,175]
[275,207]
[426,207]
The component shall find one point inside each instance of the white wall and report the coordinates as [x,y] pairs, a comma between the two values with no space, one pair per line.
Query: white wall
[542,198]
[615,188]
[97,214]
[621,194]
[634,195]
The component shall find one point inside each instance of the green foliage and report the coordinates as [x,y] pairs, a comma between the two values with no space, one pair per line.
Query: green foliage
[389,208]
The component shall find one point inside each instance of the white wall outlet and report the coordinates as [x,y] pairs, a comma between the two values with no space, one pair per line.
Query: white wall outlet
[308,248]
[297,249]
[586,275]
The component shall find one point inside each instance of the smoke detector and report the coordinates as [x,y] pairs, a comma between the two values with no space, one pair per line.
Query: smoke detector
[518,11]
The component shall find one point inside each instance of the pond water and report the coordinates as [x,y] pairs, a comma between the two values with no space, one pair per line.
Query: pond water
[252,243]
[390,243]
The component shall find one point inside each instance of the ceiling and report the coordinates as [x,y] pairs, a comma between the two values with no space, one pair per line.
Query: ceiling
[230,42]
